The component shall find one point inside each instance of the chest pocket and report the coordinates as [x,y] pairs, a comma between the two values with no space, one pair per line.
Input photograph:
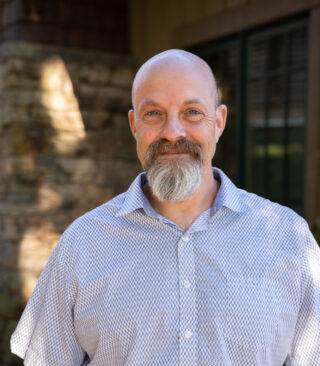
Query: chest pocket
[252,312]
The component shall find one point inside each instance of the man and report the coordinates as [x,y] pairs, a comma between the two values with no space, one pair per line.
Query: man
[183,268]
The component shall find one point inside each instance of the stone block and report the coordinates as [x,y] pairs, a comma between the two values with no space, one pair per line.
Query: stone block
[85,170]
[67,142]
[116,174]
[16,208]
[69,121]
[15,81]
[12,228]
[100,143]
[122,76]
[121,126]
[80,170]
[18,140]
[112,97]
[21,66]
[8,254]
[97,195]
[58,101]
[10,304]
[10,115]
[40,114]
[21,193]
[97,74]
[35,247]
[7,357]
[23,98]
[48,199]
[14,281]
[126,151]
[55,76]
[29,139]
[19,165]
[29,281]
[96,119]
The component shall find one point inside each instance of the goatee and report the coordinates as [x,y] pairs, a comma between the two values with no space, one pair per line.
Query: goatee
[174,179]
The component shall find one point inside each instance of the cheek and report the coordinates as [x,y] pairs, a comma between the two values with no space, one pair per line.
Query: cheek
[207,140]
[144,140]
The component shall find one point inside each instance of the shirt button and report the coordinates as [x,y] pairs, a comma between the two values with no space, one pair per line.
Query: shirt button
[188,334]
[186,283]
[185,238]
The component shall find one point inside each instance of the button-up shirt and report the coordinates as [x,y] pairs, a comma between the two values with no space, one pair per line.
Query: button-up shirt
[126,286]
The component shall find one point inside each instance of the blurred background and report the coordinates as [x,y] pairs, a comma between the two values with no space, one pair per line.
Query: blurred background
[66,69]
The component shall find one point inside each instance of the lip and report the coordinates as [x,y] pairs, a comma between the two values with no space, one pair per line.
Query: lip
[173,153]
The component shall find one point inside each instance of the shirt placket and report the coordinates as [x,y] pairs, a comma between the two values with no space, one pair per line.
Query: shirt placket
[187,302]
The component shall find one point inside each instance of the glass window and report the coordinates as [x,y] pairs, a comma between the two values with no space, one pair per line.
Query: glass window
[262,78]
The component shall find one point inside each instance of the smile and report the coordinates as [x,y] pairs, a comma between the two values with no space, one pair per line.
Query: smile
[173,153]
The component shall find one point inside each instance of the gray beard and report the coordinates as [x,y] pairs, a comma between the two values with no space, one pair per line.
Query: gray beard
[174,180]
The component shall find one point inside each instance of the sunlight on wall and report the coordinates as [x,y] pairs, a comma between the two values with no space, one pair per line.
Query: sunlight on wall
[35,248]
[65,132]
[58,97]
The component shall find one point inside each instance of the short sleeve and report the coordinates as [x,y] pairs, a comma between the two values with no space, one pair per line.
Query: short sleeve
[305,348]
[45,333]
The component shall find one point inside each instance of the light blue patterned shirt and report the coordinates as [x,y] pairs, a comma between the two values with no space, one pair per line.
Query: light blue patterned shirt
[126,286]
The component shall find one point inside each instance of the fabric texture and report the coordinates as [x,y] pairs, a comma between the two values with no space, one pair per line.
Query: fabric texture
[126,286]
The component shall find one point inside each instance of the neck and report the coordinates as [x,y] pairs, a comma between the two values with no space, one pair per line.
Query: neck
[183,213]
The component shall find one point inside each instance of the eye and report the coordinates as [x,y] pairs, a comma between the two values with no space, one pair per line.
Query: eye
[152,113]
[193,115]
[193,111]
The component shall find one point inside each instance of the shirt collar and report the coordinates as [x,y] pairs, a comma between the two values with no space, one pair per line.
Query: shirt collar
[228,196]
[135,198]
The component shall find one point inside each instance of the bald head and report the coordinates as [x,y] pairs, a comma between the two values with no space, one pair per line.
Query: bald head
[175,59]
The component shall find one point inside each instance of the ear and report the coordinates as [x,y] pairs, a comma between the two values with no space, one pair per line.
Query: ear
[131,122]
[221,117]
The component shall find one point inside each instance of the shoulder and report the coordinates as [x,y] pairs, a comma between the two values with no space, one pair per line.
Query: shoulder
[268,209]
[101,215]
[275,221]
[94,227]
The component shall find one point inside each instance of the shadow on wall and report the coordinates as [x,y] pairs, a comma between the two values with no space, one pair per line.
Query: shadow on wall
[65,147]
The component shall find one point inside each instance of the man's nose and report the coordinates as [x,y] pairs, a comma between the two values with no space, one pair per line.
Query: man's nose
[173,128]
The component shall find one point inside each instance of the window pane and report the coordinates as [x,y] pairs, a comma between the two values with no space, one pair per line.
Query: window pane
[225,61]
[276,111]
[262,80]
[296,122]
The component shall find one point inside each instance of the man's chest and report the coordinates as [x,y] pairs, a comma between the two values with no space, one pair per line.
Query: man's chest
[188,296]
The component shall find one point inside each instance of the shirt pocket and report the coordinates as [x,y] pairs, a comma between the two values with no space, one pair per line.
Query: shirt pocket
[252,311]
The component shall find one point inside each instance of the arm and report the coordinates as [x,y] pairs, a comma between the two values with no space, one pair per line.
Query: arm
[45,334]
[305,348]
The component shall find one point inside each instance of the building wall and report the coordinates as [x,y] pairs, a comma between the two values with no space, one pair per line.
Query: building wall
[65,148]
[65,143]
[153,22]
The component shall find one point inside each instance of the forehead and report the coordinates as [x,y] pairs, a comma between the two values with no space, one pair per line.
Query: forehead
[174,81]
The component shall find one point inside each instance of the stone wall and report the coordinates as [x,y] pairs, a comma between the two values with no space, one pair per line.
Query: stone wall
[65,147]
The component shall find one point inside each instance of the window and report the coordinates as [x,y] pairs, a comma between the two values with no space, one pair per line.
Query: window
[262,78]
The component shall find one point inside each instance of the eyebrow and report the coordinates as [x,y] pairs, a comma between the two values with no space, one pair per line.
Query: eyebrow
[148,102]
[193,101]
[154,104]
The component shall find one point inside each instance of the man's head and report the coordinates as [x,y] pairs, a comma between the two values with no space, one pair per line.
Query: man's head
[176,121]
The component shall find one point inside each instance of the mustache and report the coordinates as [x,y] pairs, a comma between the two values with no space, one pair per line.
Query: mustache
[181,146]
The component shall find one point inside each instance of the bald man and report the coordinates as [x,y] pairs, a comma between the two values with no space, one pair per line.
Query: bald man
[184,268]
